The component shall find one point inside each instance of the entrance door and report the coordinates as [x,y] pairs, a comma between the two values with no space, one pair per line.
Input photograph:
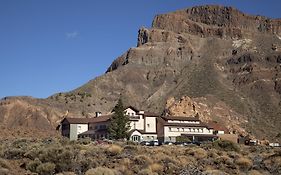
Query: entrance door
[135,138]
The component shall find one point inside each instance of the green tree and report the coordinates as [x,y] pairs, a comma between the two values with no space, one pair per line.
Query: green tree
[120,123]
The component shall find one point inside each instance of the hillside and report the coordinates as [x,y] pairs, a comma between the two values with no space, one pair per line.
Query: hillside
[217,56]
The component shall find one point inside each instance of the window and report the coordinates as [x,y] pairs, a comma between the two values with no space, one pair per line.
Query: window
[178,129]
[170,138]
[170,129]
[148,125]
[182,129]
[79,127]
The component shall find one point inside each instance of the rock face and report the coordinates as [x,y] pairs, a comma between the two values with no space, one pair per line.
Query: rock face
[226,62]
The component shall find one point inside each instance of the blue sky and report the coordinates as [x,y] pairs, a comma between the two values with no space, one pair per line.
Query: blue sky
[50,46]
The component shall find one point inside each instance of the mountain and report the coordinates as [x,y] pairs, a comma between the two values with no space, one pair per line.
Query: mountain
[225,63]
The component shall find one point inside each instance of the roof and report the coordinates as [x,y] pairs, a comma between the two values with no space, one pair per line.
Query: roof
[181,118]
[186,124]
[101,118]
[141,131]
[132,107]
[71,120]
[150,114]
[217,126]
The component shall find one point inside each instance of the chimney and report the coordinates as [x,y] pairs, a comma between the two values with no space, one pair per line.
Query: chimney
[98,114]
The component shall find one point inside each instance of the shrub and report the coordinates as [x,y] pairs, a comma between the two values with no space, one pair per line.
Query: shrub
[254,172]
[156,167]
[85,141]
[146,171]
[31,166]
[226,145]
[114,150]
[46,168]
[214,172]
[4,164]
[4,171]
[198,153]
[100,171]
[244,163]
[66,173]
[14,153]
[142,160]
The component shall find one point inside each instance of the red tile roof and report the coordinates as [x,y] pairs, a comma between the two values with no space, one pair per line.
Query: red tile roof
[72,120]
[150,114]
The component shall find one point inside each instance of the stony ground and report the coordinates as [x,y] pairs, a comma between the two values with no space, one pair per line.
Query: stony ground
[60,156]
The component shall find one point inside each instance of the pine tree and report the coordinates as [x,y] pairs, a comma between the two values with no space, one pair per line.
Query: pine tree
[120,123]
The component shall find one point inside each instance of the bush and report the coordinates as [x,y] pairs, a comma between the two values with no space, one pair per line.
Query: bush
[14,153]
[4,171]
[31,166]
[146,172]
[114,150]
[100,171]
[46,168]
[4,164]
[244,163]
[198,153]
[214,172]
[254,172]
[85,141]
[142,160]
[226,145]
[156,167]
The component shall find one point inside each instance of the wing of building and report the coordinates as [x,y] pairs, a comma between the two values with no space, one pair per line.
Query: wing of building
[145,126]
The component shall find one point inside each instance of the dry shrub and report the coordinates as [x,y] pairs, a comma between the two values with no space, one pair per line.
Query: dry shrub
[142,160]
[185,160]
[4,164]
[254,172]
[4,171]
[214,172]
[226,145]
[244,163]
[146,171]
[223,160]
[114,150]
[198,153]
[156,167]
[100,171]
[32,166]
[126,162]
[66,173]
[46,168]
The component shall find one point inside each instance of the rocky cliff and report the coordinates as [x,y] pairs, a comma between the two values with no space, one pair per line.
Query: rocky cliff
[226,61]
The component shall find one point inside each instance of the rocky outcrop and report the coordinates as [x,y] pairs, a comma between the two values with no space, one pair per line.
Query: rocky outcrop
[216,21]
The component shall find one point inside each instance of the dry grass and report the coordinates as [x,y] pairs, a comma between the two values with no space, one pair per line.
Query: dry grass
[254,172]
[114,150]
[100,171]
[244,163]
[156,167]
[214,172]
[41,157]
[198,153]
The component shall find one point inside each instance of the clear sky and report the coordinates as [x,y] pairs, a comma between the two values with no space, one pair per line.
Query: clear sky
[50,46]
